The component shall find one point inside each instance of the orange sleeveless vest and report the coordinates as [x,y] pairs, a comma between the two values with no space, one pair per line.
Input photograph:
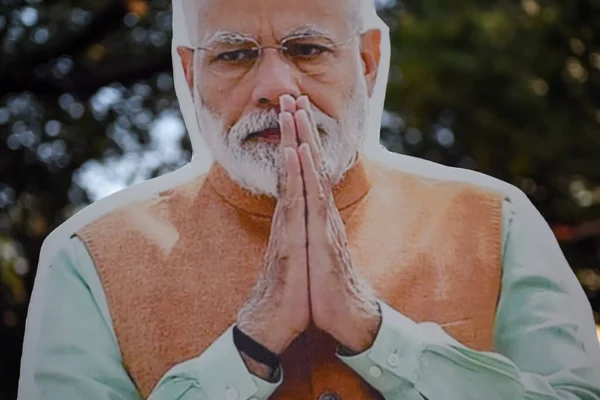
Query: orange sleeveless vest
[176,269]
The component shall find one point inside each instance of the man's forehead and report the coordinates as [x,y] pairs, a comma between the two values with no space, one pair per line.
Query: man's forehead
[236,36]
[259,18]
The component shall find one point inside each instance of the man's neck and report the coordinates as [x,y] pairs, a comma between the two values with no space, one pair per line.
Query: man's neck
[354,185]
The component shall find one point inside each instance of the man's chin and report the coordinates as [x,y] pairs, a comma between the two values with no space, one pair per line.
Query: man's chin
[258,177]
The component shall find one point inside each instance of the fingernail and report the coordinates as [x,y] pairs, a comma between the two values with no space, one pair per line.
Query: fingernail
[305,147]
[301,113]
[304,102]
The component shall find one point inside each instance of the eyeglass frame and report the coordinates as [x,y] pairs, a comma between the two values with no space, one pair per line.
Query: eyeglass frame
[281,46]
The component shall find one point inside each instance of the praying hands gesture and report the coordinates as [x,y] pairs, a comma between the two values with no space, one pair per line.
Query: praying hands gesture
[308,274]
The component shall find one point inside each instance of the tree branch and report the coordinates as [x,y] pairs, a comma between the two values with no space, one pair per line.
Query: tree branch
[83,82]
[105,19]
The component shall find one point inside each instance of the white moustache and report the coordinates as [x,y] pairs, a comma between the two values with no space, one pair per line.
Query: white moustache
[269,119]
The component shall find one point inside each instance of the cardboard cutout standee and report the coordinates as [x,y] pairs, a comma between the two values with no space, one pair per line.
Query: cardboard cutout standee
[198,166]
[444,266]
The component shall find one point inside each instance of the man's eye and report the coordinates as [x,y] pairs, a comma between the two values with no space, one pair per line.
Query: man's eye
[237,56]
[305,49]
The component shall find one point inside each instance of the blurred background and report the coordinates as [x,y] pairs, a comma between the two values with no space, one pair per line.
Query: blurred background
[87,107]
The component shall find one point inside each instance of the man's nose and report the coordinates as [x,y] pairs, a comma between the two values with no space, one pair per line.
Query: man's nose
[274,78]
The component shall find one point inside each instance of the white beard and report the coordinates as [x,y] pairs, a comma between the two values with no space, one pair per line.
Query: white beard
[256,165]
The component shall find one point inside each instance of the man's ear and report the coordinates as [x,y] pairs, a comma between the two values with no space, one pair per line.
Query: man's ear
[370,53]
[186,54]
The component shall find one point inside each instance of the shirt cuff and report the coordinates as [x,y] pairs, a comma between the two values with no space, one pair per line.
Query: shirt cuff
[220,373]
[390,365]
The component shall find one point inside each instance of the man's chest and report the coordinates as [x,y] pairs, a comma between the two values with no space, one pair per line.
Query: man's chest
[425,263]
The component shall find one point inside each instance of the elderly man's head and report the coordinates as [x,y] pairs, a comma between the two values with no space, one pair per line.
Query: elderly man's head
[249,53]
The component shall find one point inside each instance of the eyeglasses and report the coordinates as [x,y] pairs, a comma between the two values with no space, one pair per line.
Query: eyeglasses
[310,55]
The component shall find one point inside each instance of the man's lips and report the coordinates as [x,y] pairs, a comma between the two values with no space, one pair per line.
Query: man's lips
[272,135]
[267,135]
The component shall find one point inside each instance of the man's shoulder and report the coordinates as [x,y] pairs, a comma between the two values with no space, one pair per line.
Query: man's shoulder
[391,166]
[144,197]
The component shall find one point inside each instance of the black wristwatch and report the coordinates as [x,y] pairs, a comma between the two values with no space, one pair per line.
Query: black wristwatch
[258,353]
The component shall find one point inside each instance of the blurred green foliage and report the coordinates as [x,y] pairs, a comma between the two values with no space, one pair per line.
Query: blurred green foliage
[87,107]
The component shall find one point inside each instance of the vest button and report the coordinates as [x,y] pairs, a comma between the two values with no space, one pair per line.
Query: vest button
[329,396]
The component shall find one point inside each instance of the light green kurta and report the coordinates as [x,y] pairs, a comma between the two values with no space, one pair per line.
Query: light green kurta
[545,340]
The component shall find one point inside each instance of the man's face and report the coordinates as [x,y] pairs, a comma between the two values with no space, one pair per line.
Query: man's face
[236,89]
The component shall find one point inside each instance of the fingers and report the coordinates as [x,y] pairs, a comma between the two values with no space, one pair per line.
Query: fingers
[314,189]
[293,186]
[297,127]
[287,126]
[303,103]
[289,138]
[297,124]
[292,192]
[306,128]
[287,103]
[306,134]
[316,199]
[291,203]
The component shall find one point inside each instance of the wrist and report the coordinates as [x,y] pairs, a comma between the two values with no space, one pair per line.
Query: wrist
[269,339]
[361,332]
[255,351]
[365,336]
[256,368]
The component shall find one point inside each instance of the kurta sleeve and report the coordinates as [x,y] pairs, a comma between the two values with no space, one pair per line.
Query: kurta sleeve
[78,355]
[546,346]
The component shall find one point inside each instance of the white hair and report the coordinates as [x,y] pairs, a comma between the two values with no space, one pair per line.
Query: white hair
[359,13]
